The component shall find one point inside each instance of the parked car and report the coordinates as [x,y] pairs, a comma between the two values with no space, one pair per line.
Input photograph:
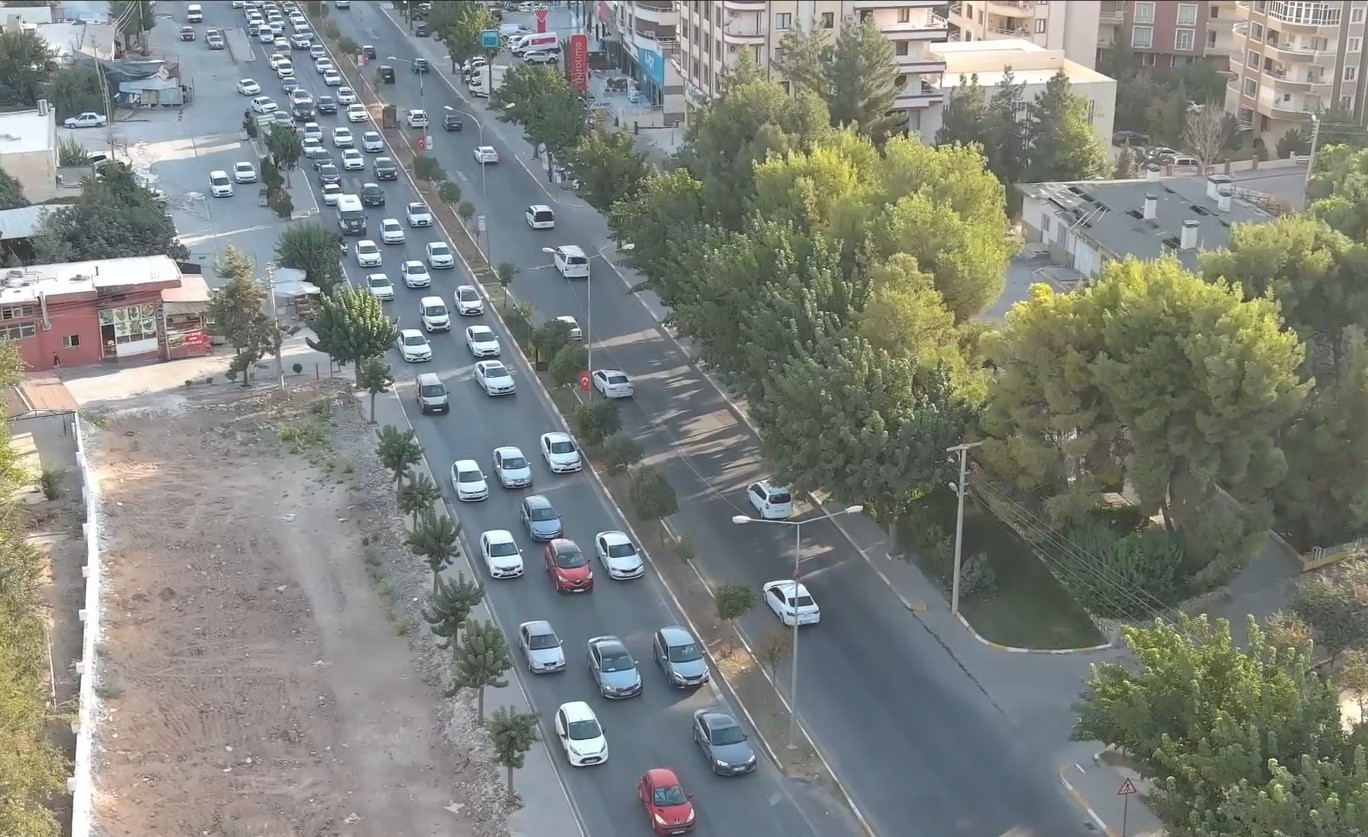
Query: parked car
[86,120]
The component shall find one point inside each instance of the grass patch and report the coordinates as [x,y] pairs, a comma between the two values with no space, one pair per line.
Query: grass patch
[1029,608]
[384,587]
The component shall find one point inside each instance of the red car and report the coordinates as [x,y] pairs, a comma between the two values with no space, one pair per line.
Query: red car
[569,569]
[668,807]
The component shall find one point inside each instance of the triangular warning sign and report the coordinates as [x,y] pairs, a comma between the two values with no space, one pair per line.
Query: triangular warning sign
[1127,788]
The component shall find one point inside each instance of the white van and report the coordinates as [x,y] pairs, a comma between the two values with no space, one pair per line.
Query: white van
[537,40]
[571,262]
[194,14]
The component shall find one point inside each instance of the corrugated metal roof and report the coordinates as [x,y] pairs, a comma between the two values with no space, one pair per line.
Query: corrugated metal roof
[22,222]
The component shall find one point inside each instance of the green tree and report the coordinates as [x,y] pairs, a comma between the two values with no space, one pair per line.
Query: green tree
[1208,132]
[863,88]
[26,63]
[286,146]
[513,733]
[618,453]
[540,99]
[1063,145]
[312,249]
[398,451]
[802,58]
[1338,190]
[437,540]
[967,115]
[238,309]
[449,192]
[595,421]
[732,602]
[428,169]
[374,376]
[448,607]
[668,207]
[567,363]
[505,272]
[458,26]
[653,498]
[1127,165]
[134,19]
[607,166]
[905,316]
[11,192]
[115,217]
[417,496]
[351,326]
[75,90]
[481,661]
[1007,141]
[1335,606]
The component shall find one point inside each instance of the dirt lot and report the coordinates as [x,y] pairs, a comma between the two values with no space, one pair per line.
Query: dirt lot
[261,671]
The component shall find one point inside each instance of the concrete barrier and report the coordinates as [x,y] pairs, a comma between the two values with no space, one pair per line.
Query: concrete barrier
[81,785]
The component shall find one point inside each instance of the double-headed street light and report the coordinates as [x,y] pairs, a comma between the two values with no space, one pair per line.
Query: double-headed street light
[589,298]
[797,557]
[413,62]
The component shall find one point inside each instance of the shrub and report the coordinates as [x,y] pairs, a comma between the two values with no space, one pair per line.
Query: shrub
[977,576]
[466,210]
[518,318]
[427,168]
[1110,567]
[249,125]
[596,421]
[449,192]
[567,363]
[618,452]
[550,337]
[50,483]
[297,368]
[280,202]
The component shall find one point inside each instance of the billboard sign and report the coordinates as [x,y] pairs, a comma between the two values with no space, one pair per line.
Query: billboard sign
[652,66]
[579,62]
[540,15]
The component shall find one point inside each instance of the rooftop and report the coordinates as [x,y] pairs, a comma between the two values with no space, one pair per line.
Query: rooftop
[27,284]
[26,131]
[1110,214]
[70,37]
[22,222]
[989,60]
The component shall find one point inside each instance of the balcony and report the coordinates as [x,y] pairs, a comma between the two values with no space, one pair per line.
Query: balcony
[1114,16]
[860,5]
[744,5]
[660,42]
[918,94]
[1011,9]
[655,11]
[918,64]
[1298,54]
[932,28]
[1301,16]
[737,32]
[1009,31]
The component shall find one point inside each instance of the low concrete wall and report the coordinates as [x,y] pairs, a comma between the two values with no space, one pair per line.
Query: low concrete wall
[81,784]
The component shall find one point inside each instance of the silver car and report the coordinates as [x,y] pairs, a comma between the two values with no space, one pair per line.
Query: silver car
[680,657]
[541,647]
[613,669]
[725,745]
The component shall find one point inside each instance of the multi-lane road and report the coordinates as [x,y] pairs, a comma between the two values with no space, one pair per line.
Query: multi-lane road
[649,731]
[918,744]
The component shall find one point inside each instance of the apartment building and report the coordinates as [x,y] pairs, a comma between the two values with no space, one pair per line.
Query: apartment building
[1167,33]
[1068,26]
[640,39]
[1294,59]
[714,35]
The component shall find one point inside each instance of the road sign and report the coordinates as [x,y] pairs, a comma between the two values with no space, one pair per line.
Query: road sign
[540,15]
[584,381]
[489,39]
[1127,788]
[422,143]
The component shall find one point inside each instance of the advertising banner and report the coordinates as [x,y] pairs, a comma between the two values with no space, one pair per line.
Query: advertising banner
[579,62]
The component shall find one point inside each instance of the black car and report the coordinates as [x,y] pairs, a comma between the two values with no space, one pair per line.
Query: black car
[372,194]
[303,111]
[322,160]
[368,51]
[327,104]
[420,65]
[451,122]
[386,74]
[420,31]
[385,169]
[328,173]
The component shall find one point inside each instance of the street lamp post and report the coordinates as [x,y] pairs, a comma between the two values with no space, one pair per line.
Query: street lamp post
[414,63]
[963,451]
[484,181]
[589,301]
[797,525]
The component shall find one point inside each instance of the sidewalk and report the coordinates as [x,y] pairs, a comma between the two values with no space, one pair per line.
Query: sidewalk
[1112,797]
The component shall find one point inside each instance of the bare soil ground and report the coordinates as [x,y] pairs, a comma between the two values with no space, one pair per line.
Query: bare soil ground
[260,666]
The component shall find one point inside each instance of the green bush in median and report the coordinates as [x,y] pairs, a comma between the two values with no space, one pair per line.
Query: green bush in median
[596,421]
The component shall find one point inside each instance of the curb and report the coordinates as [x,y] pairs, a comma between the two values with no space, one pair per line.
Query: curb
[1083,803]
[1011,649]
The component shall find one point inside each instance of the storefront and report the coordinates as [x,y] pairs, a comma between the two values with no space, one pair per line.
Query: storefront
[129,331]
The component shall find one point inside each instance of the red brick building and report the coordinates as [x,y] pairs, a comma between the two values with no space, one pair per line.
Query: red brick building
[82,313]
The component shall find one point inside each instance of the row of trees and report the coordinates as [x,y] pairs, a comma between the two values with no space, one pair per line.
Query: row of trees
[115,217]
[29,71]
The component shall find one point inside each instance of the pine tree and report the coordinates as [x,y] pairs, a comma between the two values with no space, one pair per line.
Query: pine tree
[1063,145]
[1006,140]
[966,116]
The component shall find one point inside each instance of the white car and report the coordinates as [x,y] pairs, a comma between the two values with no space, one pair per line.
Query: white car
[468,301]
[415,274]
[540,217]
[501,554]
[486,154]
[580,734]
[317,51]
[468,481]
[346,95]
[357,113]
[413,346]
[300,96]
[418,215]
[771,502]
[494,378]
[542,56]
[372,142]
[264,104]
[482,341]
[301,41]
[416,118]
[322,65]
[331,192]
[313,131]
[276,59]
[249,87]
[439,255]
[332,78]
[618,555]
[281,43]
[512,468]
[541,647]
[792,603]
[561,453]
[433,312]
[244,173]
[220,185]
[380,286]
[367,254]
[313,148]
[342,137]
[352,160]
[613,383]
[572,326]
[391,231]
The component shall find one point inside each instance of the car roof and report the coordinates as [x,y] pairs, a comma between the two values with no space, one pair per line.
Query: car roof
[571,249]
[556,436]
[716,716]
[675,635]
[410,332]
[217,172]
[615,536]
[662,776]
[418,204]
[538,626]
[539,207]
[578,710]
[536,501]
[610,372]
[429,378]
[787,585]
[432,244]
[465,465]
[497,535]
[431,300]
[607,640]
[511,449]
[460,287]
[413,263]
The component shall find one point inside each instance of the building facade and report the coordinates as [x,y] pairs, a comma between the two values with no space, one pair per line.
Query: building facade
[1068,27]
[1164,34]
[1294,59]
[28,151]
[640,39]
[714,35]
[82,313]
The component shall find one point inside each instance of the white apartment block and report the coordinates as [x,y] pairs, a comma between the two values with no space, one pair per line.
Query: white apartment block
[1293,59]
[1068,26]
[713,36]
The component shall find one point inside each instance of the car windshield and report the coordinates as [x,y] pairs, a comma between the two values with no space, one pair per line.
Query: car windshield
[434,310]
[779,498]
[441,250]
[467,294]
[729,734]
[414,340]
[513,463]
[417,209]
[621,550]
[391,226]
[563,446]
[540,642]
[431,390]
[495,370]
[673,795]
[569,557]
[378,281]
[365,247]
[501,549]
[583,730]
[541,513]
[469,476]
[685,653]
[481,335]
[616,658]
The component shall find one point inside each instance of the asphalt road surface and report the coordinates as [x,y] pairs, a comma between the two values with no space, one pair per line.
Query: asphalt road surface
[650,731]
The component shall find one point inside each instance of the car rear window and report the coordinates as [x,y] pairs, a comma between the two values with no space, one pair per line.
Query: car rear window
[779,498]
[542,215]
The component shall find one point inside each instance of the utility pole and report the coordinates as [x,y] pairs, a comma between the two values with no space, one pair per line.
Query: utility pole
[275,322]
[963,451]
[1315,140]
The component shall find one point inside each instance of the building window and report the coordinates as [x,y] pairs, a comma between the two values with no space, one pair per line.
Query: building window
[1142,37]
[1215,10]
[1187,14]
[1147,59]
[1211,37]
[129,325]
[18,332]
[71,341]
[1251,87]
[1356,16]
[1256,31]
[1252,58]
[783,20]
[1346,102]
[16,312]
[1350,73]
[1184,40]
[828,20]
[1354,44]
[900,48]
[1144,12]
[1040,26]
[904,15]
